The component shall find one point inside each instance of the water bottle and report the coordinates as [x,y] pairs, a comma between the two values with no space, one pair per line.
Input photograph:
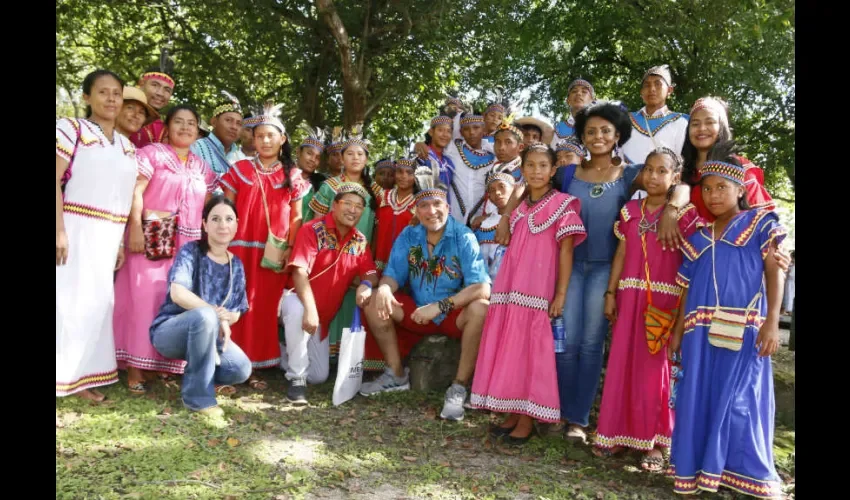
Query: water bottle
[559,333]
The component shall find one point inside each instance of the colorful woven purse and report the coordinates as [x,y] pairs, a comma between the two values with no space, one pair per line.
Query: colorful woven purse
[275,246]
[658,322]
[728,324]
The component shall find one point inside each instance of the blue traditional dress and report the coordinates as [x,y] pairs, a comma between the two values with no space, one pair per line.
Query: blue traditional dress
[725,404]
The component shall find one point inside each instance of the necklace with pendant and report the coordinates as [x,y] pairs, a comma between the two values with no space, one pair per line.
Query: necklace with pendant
[645,225]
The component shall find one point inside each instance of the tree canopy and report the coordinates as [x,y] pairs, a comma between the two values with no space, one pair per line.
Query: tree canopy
[389,64]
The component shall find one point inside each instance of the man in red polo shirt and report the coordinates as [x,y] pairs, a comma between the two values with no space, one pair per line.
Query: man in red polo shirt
[329,254]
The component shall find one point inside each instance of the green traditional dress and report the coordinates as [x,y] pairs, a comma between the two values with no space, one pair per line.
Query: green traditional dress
[320,205]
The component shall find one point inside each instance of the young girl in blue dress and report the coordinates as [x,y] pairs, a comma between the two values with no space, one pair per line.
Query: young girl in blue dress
[727,331]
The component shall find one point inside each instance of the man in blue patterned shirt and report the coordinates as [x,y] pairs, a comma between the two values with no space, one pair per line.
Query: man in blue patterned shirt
[439,265]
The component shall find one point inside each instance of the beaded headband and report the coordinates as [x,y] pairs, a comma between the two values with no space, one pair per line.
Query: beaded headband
[538,146]
[353,188]
[501,177]
[728,171]
[505,125]
[313,143]
[495,107]
[711,103]
[663,71]
[406,163]
[571,145]
[583,83]
[454,100]
[471,120]
[431,194]
[268,115]
[153,75]
[230,106]
[315,137]
[386,163]
[363,143]
[441,120]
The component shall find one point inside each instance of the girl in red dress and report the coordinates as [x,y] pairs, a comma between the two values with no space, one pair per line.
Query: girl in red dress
[267,190]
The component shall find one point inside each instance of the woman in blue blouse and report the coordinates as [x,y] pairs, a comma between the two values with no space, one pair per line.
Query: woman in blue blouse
[604,183]
[206,295]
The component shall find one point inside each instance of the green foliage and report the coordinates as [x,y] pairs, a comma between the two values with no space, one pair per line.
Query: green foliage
[401,57]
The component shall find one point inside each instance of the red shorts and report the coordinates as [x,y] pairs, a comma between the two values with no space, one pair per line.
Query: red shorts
[409,333]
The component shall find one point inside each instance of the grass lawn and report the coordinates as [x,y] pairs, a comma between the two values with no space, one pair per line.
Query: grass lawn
[391,447]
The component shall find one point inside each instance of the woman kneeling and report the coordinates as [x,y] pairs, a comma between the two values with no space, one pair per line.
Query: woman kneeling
[206,295]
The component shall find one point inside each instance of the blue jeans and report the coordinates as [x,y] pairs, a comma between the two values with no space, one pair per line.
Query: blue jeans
[192,336]
[580,365]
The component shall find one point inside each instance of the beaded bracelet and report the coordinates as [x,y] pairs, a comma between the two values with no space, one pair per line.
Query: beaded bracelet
[446,305]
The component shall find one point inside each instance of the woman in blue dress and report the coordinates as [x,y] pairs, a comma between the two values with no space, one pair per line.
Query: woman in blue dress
[727,331]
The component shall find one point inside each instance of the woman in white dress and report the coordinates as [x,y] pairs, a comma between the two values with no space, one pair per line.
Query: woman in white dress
[90,218]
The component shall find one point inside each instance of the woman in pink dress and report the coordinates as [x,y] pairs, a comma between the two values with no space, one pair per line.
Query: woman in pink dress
[635,411]
[515,372]
[171,180]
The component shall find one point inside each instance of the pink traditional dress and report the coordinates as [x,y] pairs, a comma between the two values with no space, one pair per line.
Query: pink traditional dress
[515,372]
[141,284]
[95,208]
[635,411]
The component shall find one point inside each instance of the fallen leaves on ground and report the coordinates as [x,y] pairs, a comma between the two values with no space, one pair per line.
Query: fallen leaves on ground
[232,442]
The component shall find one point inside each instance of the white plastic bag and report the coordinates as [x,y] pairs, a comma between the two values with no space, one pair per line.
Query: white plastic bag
[349,374]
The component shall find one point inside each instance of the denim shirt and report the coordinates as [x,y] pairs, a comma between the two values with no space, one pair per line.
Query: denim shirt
[213,283]
[600,213]
[456,263]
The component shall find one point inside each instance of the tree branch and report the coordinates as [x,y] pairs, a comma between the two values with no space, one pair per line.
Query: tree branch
[329,15]
[364,42]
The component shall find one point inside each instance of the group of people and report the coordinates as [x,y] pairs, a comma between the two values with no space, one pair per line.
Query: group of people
[525,241]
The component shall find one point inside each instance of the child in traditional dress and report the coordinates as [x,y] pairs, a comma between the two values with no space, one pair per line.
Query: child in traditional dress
[500,186]
[515,372]
[727,331]
[634,412]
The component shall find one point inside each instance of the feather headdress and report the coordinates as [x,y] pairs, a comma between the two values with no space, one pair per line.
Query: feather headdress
[315,137]
[268,115]
[229,105]
[354,137]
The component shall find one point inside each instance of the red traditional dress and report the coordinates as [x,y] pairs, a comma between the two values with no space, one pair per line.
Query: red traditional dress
[757,195]
[256,332]
[393,216]
[151,133]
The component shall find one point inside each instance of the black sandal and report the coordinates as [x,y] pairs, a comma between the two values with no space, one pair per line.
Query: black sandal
[497,431]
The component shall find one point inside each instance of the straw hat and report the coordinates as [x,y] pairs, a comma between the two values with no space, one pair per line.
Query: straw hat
[548,131]
[135,94]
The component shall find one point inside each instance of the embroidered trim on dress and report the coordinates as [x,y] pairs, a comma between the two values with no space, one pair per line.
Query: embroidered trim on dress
[632,442]
[540,412]
[176,366]
[94,212]
[640,284]
[711,482]
[520,299]
[86,382]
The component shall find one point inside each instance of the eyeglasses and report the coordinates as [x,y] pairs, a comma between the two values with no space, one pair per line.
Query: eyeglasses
[350,205]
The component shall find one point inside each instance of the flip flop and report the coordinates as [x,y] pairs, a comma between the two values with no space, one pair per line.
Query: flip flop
[138,388]
[652,464]
[225,390]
